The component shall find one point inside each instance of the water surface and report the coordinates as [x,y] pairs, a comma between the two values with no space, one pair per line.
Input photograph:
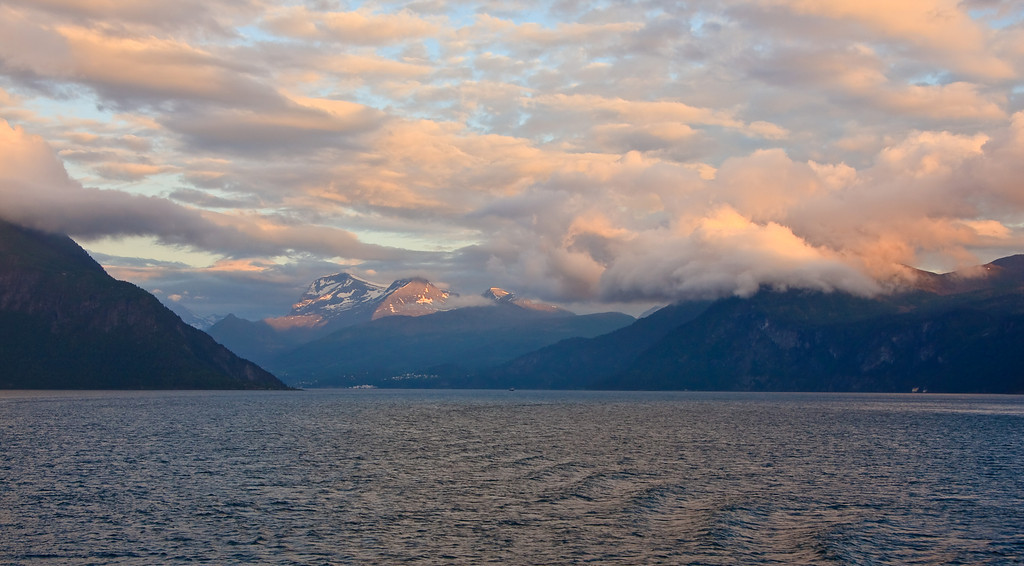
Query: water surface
[523,477]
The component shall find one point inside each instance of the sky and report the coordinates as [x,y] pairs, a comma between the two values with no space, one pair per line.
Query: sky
[598,155]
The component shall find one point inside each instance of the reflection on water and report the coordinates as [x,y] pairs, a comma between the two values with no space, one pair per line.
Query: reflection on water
[457,477]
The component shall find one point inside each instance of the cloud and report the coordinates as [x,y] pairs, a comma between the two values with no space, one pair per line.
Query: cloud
[358,27]
[208,200]
[858,74]
[572,151]
[763,220]
[726,253]
[131,171]
[936,29]
[540,37]
[36,191]
[298,125]
[205,15]
[253,294]
[125,71]
[651,114]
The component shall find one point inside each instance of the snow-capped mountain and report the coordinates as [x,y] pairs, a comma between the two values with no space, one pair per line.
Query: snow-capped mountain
[411,297]
[501,296]
[190,318]
[338,301]
[343,299]
[329,296]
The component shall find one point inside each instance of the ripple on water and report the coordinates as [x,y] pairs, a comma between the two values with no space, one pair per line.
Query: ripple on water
[344,477]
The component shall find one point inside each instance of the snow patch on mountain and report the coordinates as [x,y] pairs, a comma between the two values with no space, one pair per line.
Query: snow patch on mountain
[411,297]
[337,293]
[343,298]
[501,296]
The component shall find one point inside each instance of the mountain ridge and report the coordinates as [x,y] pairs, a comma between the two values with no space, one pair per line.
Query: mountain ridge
[65,323]
[957,332]
[335,302]
[441,349]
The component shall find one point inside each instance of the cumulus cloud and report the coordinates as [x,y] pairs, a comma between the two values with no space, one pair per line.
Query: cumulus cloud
[726,253]
[763,220]
[936,29]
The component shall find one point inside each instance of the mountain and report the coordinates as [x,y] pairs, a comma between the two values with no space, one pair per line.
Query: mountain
[501,296]
[436,350]
[342,300]
[579,362]
[1004,273]
[410,297]
[190,318]
[971,344]
[332,295]
[958,332]
[329,304]
[257,340]
[66,324]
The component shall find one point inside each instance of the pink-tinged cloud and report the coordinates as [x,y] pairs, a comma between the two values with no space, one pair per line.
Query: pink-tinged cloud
[36,191]
[569,151]
[941,29]
[762,220]
[298,124]
[727,253]
[652,114]
[359,27]
[210,16]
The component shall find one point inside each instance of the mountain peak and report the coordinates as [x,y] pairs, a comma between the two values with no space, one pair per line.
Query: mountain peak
[338,281]
[400,283]
[1013,264]
[336,293]
[67,324]
[411,297]
[1003,272]
[343,299]
[501,296]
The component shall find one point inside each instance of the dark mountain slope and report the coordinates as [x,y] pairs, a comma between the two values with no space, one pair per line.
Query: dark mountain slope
[65,323]
[580,362]
[799,341]
[956,332]
[257,340]
[449,343]
[1004,273]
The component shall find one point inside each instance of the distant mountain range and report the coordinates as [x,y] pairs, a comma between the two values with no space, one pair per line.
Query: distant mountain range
[66,324]
[436,350]
[958,332]
[330,303]
[347,331]
[341,300]
[202,322]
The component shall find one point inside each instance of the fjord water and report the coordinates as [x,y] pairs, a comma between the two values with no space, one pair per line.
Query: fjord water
[513,477]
